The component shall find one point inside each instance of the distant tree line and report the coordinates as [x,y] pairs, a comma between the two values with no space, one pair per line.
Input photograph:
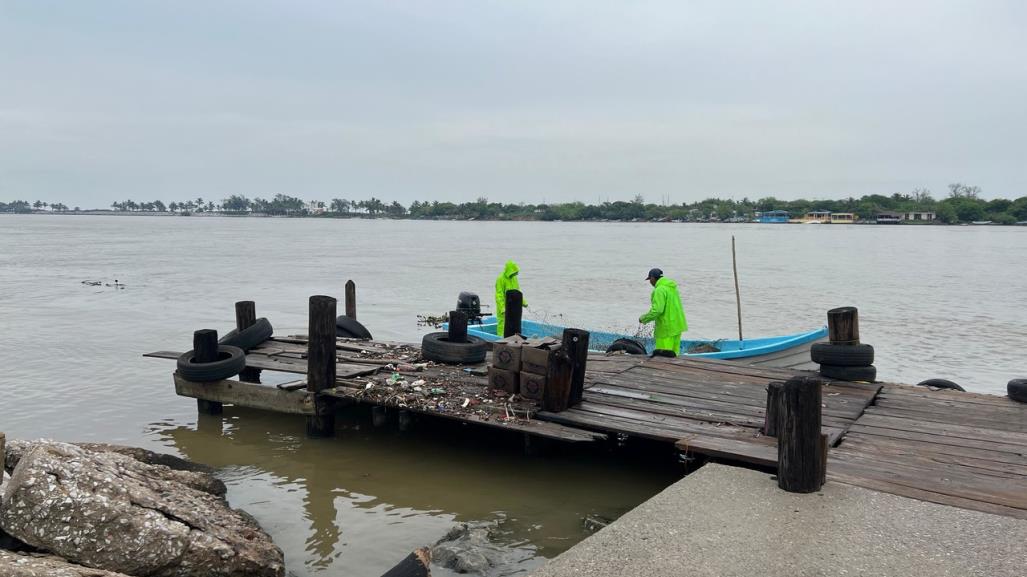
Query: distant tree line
[963,204]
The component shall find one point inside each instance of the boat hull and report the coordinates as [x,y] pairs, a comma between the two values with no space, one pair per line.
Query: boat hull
[786,351]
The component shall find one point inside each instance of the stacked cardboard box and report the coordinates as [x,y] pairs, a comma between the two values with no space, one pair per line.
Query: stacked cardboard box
[520,365]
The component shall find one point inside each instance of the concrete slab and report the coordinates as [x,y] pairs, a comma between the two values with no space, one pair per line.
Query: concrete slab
[725,521]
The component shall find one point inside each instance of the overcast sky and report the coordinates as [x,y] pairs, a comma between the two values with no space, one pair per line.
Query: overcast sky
[517,101]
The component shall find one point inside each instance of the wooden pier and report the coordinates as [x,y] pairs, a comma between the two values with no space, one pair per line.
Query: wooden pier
[955,448]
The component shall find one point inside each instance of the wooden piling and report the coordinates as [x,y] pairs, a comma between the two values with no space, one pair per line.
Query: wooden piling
[556,395]
[772,420]
[321,364]
[378,416]
[351,299]
[800,451]
[3,442]
[246,317]
[843,326]
[405,419]
[457,327]
[514,304]
[205,350]
[575,344]
[416,564]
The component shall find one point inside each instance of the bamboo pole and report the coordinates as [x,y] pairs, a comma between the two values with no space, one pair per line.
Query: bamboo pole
[738,297]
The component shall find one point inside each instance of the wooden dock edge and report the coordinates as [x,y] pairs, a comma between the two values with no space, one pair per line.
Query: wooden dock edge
[254,396]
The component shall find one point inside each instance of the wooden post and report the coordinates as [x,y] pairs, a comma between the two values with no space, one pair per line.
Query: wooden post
[406,420]
[738,296]
[800,466]
[351,299]
[457,327]
[246,317]
[843,326]
[772,420]
[379,416]
[205,350]
[321,364]
[3,441]
[557,393]
[575,344]
[514,303]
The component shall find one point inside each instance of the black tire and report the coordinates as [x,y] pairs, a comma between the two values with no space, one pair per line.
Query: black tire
[629,346]
[351,329]
[1017,389]
[437,347]
[842,355]
[940,384]
[231,361]
[841,373]
[259,332]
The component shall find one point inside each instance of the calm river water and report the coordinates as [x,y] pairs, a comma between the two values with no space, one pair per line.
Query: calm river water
[934,301]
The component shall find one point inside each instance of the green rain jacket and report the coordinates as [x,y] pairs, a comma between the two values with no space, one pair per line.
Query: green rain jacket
[669,315]
[507,281]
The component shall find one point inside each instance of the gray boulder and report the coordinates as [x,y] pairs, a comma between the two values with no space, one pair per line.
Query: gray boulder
[192,474]
[37,565]
[108,510]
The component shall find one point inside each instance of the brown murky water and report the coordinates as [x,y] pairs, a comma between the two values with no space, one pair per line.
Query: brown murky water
[936,302]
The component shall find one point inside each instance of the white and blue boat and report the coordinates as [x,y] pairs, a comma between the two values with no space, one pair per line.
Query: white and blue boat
[785,351]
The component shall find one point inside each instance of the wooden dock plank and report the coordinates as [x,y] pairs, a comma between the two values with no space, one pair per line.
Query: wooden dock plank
[254,396]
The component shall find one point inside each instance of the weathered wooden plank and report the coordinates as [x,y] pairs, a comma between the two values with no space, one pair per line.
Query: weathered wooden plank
[535,427]
[956,396]
[255,396]
[842,473]
[906,454]
[1009,422]
[943,480]
[760,451]
[256,360]
[954,430]
[936,439]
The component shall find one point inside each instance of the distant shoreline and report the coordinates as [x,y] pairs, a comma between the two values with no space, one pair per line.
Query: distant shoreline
[331,216]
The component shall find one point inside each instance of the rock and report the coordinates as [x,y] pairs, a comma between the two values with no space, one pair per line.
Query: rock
[37,565]
[192,474]
[110,511]
[467,548]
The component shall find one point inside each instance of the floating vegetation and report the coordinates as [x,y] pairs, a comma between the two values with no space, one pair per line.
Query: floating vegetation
[704,347]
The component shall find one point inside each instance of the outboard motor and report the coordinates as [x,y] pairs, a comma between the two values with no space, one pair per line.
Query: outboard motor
[469,304]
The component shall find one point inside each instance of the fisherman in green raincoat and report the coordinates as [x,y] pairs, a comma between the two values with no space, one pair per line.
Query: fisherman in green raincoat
[507,281]
[668,313]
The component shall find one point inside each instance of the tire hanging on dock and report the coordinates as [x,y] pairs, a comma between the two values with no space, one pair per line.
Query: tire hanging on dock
[842,355]
[629,346]
[250,337]
[1017,390]
[351,329]
[231,361]
[437,347]
[868,374]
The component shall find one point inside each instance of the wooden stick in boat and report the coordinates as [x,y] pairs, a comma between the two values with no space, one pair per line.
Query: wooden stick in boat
[738,298]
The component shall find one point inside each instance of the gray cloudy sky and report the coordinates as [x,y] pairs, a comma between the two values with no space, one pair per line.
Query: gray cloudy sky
[517,101]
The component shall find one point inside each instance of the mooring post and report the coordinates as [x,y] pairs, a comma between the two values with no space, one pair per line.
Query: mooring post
[3,441]
[457,327]
[575,344]
[800,451]
[514,303]
[557,393]
[843,326]
[379,416]
[321,364]
[405,419]
[351,299]
[205,350]
[772,419]
[246,317]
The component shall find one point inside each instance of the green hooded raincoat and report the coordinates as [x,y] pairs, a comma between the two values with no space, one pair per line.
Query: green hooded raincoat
[507,281]
[669,315]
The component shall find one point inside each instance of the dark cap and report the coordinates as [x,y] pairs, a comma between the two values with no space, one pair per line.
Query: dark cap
[654,273]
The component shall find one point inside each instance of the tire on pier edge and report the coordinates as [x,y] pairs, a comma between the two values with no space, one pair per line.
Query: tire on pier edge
[629,346]
[940,384]
[250,337]
[351,329]
[231,361]
[437,347]
[842,355]
[1017,389]
[868,374]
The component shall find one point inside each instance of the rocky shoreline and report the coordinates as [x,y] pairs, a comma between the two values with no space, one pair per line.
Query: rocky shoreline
[87,509]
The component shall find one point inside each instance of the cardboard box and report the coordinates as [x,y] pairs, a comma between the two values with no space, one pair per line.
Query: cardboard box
[506,380]
[507,355]
[536,360]
[532,386]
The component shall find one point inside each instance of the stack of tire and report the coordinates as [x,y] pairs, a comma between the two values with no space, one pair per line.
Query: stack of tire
[1017,390]
[845,361]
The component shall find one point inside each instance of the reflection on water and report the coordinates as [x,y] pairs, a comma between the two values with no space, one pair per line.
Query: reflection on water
[370,496]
